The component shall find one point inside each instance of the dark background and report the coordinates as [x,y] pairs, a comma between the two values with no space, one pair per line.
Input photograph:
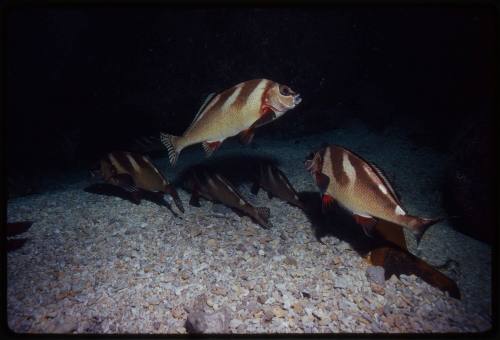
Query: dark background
[81,81]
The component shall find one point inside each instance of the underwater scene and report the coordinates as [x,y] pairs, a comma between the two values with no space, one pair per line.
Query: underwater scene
[250,170]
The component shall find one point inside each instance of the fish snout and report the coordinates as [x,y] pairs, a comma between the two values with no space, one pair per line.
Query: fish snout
[297,99]
[308,161]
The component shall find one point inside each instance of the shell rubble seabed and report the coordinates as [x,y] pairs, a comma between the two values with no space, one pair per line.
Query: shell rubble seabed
[101,264]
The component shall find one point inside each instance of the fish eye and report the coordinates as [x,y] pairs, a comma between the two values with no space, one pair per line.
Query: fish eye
[310,156]
[285,90]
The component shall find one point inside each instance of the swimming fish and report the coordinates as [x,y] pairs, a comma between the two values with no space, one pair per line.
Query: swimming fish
[361,188]
[134,172]
[275,182]
[214,187]
[237,110]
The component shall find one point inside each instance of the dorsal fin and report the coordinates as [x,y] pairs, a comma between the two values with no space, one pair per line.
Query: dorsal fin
[202,108]
[385,181]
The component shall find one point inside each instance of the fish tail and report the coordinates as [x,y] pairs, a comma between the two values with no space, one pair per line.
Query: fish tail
[176,198]
[420,225]
[264,214]
[170,142]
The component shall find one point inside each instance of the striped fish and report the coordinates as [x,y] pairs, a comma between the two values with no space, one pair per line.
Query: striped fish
[361,188]
[134,172]
[275,183]
[214,187]
[237,110]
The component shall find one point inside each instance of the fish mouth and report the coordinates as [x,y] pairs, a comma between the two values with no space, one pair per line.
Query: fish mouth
[297,99]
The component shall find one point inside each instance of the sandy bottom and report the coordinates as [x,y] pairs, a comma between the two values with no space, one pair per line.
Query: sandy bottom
[101,264]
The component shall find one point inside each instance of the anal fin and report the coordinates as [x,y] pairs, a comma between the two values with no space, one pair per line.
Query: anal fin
[126,182]
[246,136]
[367,223]
[210,147]
[195,199]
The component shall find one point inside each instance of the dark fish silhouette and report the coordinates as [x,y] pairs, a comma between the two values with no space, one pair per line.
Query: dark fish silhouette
[397,261]
[135,172]
[16,228]
[214,187]
[275,183]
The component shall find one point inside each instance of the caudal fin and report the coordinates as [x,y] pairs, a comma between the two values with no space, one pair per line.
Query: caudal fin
[264,214]
[421,225]
[170,142]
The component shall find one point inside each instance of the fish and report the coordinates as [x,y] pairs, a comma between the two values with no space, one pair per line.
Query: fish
[275,183]
[360,187]
[398,261]
[214,187]
[237,110]
[135,172]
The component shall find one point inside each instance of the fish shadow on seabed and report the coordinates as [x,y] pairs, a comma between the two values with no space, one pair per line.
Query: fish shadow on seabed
[387,249]
[115,191]
[338,223]
[235,167]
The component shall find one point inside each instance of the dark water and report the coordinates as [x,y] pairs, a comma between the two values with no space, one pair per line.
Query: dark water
[83,80]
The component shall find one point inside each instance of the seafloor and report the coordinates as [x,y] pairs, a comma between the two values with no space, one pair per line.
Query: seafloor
[101,264]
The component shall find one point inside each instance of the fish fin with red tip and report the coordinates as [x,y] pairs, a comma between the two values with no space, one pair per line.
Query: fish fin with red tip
[367,223]
[210,147]
[246,136]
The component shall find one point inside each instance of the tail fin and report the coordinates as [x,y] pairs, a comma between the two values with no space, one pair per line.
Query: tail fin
[421,225]
[170,143]
[175,196]
[264,213]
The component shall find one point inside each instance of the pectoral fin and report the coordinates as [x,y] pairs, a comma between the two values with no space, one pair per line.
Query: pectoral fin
[246,136]
[267,116]
[367,223]
[326,202]
[322,181]
[126,182]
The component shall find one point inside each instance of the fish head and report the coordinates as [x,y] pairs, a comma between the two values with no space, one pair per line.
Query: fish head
[281,98]
[106,170]
[314,162]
